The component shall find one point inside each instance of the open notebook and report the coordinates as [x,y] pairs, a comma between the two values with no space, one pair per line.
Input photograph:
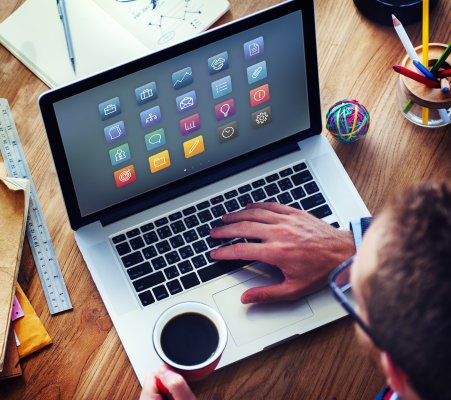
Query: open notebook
[105,33]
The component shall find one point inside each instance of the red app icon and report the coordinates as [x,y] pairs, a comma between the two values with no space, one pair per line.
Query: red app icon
[259,95]
[125,176]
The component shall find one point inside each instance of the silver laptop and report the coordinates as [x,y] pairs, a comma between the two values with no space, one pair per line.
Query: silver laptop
[152,153]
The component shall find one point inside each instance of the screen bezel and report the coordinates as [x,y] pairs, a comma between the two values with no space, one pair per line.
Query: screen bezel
[211,174]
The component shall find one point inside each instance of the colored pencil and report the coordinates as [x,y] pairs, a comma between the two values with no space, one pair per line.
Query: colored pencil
[444,115]
[441,59]
[444,73]
[408,46]
[417,77]
[444,84]
[425,114]
[420,67]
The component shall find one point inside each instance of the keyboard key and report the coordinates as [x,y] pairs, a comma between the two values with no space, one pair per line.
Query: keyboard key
[258,183]
[321,212]
[161,221]
[271,200]
[146,298]
[189,211]
[335,224]
[258,195]
[284,198]
[185,266]
[213,242]
[202,206]
[164,232]
[186,252]
[199,261]
[209,258]
[298,193]
[172,257]
[191,221]
[177,241]
[171,272]
[147,227]
[313,201]
[137,243]
[149,252]
[216,223]
[286,172]
[203,230]
[300,167]
[190,236]
[175,216]
[190,280]
[272,189]
[149,281]
[163,247]
[178,226]
[218,211]
[244,189]
[311,187]
[174,286]
[301,177]
[232,205]
[200,246]
[220,268]
[119,238]
[132,259]
[285,184]
[151,237]
[217,199]
[123,248]
[132,233]
[296,205]
[272,178]
[139,271]
[160,292]
[231,194]
[245,199]
[158,263]
[205,216]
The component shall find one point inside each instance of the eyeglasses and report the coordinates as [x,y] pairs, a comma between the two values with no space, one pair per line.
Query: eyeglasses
[340,284]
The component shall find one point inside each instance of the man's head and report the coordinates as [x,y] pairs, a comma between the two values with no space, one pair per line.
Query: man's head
[402,283]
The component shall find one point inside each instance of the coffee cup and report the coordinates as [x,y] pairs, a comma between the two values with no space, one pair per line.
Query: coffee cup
[190,337]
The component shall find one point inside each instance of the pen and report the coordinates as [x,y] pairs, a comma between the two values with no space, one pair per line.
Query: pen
[404,38]
[441,59]
[417,77]
[423,69]
[444,84]
[63,16]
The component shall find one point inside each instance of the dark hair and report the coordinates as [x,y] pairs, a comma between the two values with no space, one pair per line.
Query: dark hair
[409,295]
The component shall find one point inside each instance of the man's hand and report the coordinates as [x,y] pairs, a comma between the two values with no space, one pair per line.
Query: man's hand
[174,383]
[303,247]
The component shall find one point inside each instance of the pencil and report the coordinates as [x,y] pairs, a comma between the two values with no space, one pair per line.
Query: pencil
[420,67]
[444,84]
[441,59]
[408,46]
[444,73]
[425,114]
[417,77]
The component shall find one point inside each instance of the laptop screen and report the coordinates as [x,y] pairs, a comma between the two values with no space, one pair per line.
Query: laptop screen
[177,118]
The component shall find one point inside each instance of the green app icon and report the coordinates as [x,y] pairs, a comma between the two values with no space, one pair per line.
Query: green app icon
[120,154]
[155,139]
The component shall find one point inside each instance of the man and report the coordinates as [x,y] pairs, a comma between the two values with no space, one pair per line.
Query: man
[401,282]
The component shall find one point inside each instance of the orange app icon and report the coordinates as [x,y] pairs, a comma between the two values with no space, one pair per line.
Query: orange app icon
[194,146]
[259,95]
[159,161]
[125,176]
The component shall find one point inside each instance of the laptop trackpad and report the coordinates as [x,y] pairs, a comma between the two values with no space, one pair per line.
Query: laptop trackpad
[247,323]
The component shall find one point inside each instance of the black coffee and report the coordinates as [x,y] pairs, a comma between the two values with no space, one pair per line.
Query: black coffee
[189,339]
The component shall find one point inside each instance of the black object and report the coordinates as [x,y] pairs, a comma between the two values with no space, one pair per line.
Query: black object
[380,11]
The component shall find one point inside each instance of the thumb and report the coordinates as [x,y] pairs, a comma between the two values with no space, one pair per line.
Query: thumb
[267,294]
[176,385]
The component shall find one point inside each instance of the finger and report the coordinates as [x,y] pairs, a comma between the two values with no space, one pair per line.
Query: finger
[246,229]
[244,251]
[253,215]
[150,390]
[268,294]
[176,385]
[274,207]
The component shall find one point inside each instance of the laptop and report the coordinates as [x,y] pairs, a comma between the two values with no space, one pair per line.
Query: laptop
[150,154]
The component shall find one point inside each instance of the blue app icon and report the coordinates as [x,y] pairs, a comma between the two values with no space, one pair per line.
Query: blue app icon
[150,117]
[186,101]
[182,78]
[115,132]
[109,108]
[221,87]
[155,139]
[256,72]
[146,93]
[218,63]
[119,154]
[254,48]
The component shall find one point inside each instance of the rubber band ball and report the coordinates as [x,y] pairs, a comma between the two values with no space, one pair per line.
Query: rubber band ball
[348,120]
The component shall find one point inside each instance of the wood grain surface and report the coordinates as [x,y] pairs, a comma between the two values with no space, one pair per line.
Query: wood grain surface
[87,360]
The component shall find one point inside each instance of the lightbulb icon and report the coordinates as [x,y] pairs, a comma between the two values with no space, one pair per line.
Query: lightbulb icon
[225,108]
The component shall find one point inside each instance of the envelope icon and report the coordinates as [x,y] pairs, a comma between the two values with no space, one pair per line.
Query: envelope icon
[159,161]
[186,101]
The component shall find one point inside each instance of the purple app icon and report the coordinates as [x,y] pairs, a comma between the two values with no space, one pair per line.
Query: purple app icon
[190,124]
[150,117]
[115,132]
[225,109]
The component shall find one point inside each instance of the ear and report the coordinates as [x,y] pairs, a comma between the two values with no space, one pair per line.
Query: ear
[396,377]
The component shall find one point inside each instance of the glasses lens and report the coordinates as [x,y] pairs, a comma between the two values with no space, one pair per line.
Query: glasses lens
[343,279]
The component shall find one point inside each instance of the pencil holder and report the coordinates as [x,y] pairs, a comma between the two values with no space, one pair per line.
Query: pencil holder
[412,96]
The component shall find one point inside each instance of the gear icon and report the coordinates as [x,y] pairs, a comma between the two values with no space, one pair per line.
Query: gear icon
[261,118]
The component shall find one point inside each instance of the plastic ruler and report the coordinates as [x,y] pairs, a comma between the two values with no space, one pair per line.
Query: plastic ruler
[37,232]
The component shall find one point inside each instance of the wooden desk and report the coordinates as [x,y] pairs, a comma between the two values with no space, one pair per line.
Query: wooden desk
[87,360]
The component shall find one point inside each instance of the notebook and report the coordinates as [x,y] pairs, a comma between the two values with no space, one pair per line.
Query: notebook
[150,155]
[104,33]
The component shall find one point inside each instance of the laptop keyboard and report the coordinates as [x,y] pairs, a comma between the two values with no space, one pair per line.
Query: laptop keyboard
[171,254]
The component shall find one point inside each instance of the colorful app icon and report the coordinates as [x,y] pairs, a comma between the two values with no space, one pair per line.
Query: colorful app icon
[221,87]
[182,78]
[159,161]
[119,154]
[146,93]
[110,108]
[225,109]
[125,176]
[190,124]
[155,139]
[259,95]
[186,101]
[150,117]
[254,48]
[256,72]
[228,132]
[115,132]
[261,117]
[218,63]
[194,146]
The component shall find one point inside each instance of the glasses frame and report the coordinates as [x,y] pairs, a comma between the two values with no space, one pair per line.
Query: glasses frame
[342,299]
